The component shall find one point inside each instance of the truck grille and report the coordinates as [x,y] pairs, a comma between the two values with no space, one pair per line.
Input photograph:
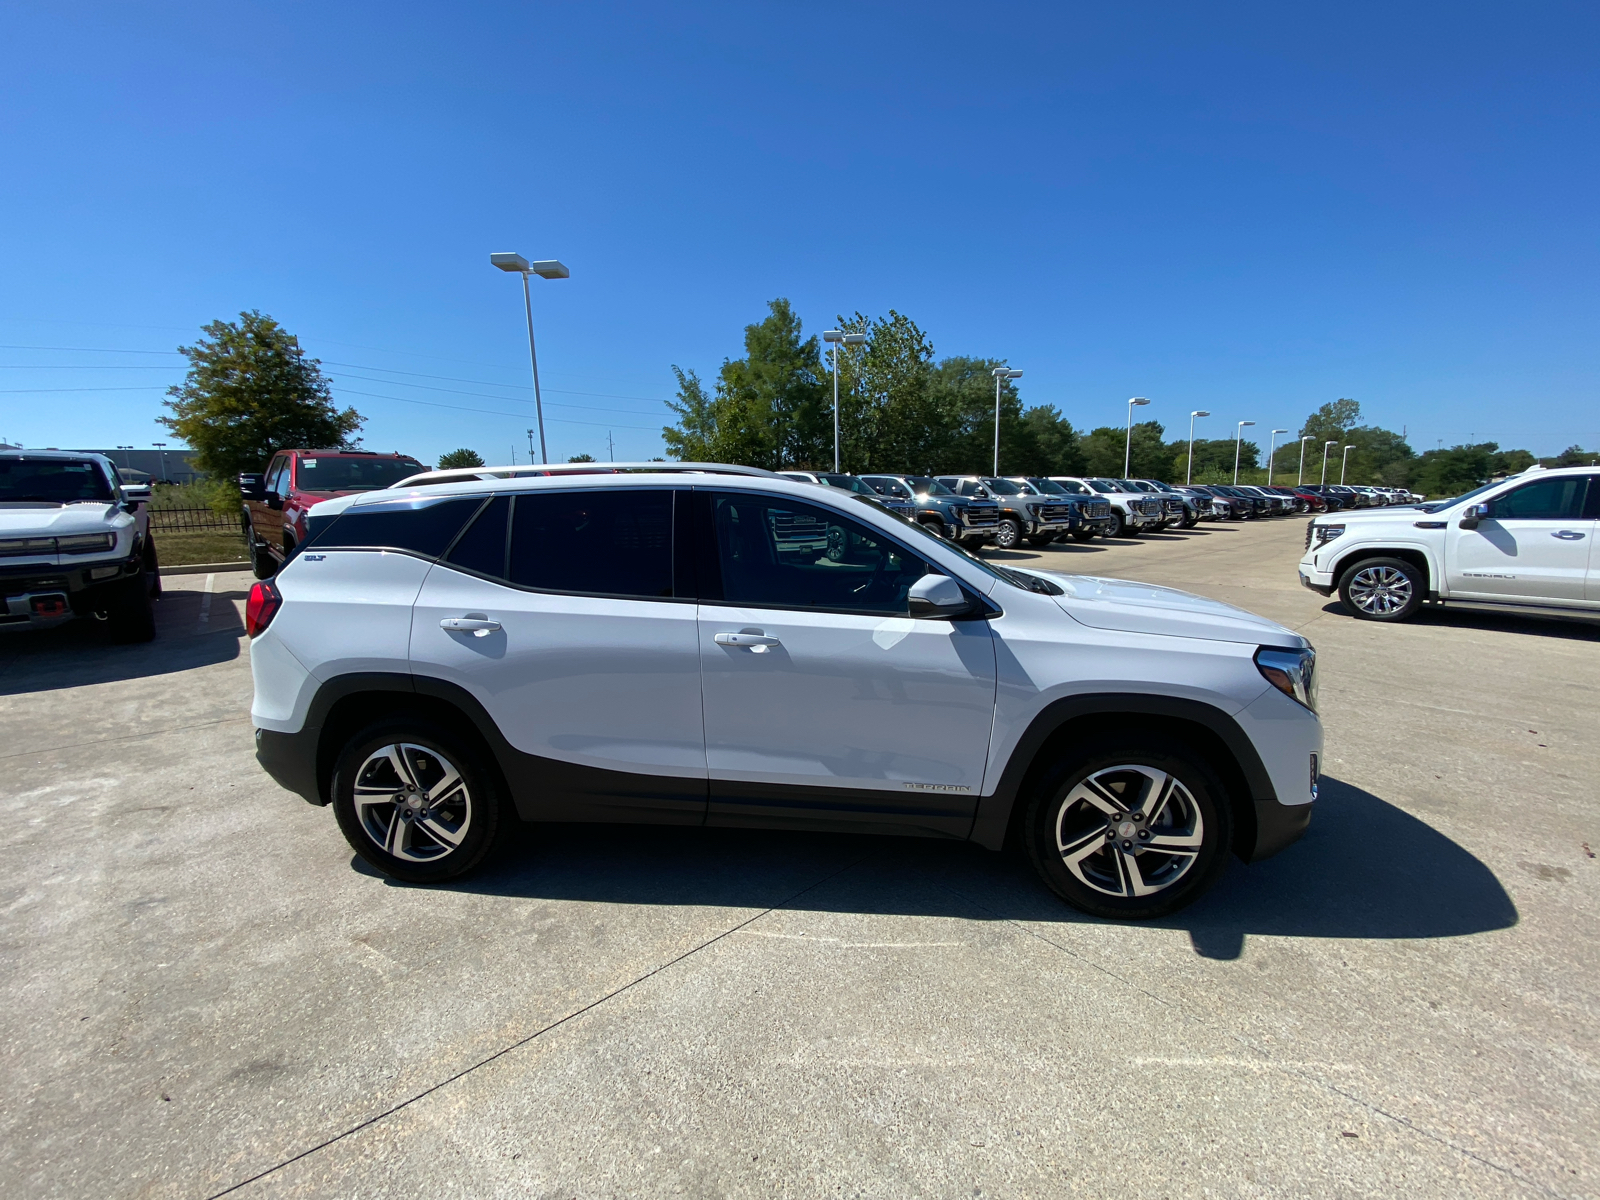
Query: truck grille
[1097,508]
[1174,506]
[791,528]
[1150,508]
[1309,526]
[1054,512]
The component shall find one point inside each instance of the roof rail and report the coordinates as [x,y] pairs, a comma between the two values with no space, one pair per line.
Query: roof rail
[461,474]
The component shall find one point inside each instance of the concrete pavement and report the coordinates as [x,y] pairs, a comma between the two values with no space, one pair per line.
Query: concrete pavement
[206,992]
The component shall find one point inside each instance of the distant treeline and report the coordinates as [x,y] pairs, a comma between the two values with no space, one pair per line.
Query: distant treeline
[901,410]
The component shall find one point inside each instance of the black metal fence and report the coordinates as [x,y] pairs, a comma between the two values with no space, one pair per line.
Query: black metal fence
[183,520]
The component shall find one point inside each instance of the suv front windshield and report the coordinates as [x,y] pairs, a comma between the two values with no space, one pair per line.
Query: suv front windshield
[848,483]
[1434,506]
[1002,487]
[321,473]
[1048,487]
[1103,485]
[931,487]
[53,481]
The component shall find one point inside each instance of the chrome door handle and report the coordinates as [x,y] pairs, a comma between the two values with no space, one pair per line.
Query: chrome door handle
[751,641]
[1567,535]
[476,626]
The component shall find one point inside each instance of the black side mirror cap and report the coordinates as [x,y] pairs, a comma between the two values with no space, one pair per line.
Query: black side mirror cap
[250,486]
[1470,518]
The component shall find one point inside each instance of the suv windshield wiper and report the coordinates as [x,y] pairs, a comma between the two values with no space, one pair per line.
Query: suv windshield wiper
[1027,582]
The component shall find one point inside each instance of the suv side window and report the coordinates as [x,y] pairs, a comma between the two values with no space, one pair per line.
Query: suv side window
[1591,507]
[780,554]
[616,542]
[274,470]
[1556,499]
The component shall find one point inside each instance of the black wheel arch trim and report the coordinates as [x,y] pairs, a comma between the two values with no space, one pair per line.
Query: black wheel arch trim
[1255,802]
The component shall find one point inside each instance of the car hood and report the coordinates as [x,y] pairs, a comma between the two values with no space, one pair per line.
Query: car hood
[1131,607]
[24,518]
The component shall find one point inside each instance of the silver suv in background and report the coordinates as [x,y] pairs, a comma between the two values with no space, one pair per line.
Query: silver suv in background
[1094,513]
[1132,512]
[1024,513]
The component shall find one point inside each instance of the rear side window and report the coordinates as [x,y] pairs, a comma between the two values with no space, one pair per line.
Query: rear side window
[482,548]
[616,542]
[423,526]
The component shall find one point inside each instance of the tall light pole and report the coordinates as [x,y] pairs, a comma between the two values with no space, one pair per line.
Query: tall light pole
[1345,462]
[1001,374]
[1127,448]
[1301,478]
[834,337]
[162,446]
[1273,451]
[549,268]
[1326,446]
[1188,475]
[1238,441]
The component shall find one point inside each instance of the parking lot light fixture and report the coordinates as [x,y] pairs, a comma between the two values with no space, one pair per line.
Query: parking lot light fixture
[1272,452]
[549,268]
[1127,449]
[834,337]
[1238,441]
[1326,446]
[1001,374]
[1344,464]
[1188,475]
[1301,478]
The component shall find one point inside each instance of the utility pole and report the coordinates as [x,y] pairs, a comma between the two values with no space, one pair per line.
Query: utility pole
[530,446]
[611,447]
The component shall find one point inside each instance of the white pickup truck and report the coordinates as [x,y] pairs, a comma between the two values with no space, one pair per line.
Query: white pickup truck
[1524,544]
[75,542]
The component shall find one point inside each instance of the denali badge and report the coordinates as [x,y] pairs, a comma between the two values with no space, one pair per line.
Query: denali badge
[937,787]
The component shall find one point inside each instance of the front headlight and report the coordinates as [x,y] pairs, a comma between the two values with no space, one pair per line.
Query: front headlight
[86,543]
[1292,672]
[1326,533]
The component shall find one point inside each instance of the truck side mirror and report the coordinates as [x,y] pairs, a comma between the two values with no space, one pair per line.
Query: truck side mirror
[250,487]
[1470,518]
[937,596]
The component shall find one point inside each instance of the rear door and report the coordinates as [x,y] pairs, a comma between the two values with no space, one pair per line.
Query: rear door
[267,515]
[1534,545]
[825,702]
[582,647]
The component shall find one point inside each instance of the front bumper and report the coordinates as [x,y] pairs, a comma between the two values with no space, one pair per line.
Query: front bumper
[1278,826]
[38,596]
[1320,582]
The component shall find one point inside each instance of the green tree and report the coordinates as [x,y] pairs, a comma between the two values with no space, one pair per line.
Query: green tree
[1572,456]
[1213,461]
[581,458]
[1329,423]
[1515,462]
[459,458]
[250,392]
[692,438]
[1057,444]
[775,395]
[1442,473]
[1105,448]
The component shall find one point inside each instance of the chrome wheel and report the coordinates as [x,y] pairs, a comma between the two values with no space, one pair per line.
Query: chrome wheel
[1129,831]
[412,802]
[1007,535]
[1380,591]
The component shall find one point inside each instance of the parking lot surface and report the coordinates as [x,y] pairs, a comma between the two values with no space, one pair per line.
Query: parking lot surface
[205,991]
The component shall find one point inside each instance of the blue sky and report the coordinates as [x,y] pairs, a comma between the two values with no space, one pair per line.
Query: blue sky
[1246,209]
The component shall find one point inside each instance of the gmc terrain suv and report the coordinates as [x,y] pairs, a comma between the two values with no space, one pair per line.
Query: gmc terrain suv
[683,647]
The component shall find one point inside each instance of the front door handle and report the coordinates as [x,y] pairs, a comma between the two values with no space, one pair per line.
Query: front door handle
[1567,535]
[757,642]
[477,626]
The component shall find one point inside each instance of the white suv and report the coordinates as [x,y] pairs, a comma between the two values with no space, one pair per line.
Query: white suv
[680,646]
[1524,543]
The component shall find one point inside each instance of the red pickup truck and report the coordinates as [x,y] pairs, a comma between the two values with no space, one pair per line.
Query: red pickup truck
[275,502]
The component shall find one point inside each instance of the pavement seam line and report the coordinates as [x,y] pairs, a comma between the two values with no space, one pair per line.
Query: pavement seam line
[1267,1058]
[127,737]
[538,1033]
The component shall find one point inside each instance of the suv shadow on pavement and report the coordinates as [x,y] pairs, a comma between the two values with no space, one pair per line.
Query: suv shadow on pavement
[1571,626]
[1365,869]
[78,654]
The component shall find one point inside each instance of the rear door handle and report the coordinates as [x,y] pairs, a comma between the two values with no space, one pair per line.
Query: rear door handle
[475,625]
[750,641]
[1567,535]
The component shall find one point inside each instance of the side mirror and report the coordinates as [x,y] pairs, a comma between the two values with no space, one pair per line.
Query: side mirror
[250,487]
[937,596]
[136,493]
[1470,518]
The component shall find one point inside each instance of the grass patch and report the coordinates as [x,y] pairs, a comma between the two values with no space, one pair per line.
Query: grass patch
[200,546]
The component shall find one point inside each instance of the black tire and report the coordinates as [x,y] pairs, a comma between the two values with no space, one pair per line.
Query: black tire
[474,809]
[935,526]
[975,542]
[1041,539]
[1083,535]
[1119,527]
[262,565]
[1383,589]
[131,615]
[1189,522]
[1007,534]
[1195,812]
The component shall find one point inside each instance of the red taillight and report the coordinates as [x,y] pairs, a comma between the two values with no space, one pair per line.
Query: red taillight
[263,605]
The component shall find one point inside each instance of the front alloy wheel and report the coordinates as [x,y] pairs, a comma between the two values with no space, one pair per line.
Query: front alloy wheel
[1132,833]
[1007,534]
[1382,589]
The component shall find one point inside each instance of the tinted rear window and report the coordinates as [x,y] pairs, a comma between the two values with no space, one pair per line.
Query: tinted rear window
[616,542]
[422,526]
[482,548]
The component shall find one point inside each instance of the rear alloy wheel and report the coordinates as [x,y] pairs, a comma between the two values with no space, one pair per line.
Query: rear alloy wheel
[1007,534]
[415,801]
[1383,589]
[1131,832]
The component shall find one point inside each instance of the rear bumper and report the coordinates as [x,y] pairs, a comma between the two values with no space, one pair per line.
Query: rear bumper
[291,760]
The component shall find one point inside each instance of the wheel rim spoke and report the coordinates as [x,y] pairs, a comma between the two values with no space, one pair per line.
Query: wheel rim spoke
[403,788]
[1129,831]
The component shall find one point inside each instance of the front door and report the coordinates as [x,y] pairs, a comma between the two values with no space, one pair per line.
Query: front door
[1533,546]
[825,701]
[573,634]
